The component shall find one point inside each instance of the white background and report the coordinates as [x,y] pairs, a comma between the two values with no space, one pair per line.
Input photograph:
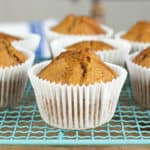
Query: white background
[120,14]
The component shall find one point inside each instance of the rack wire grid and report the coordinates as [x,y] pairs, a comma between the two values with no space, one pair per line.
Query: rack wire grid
[23,125]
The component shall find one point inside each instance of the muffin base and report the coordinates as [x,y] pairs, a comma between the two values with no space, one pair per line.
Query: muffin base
[140,81]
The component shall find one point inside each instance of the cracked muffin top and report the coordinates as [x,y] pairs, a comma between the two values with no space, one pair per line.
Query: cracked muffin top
[139,32]
[77,67]
[143,58]
[9,37]
[76,25]
[91,45]
[9,56]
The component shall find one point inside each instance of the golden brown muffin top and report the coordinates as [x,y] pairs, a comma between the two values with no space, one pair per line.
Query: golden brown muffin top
[77,67]
[9,56]
[9,37]
[139,32]
[82,25]
[91,45]
[143,58]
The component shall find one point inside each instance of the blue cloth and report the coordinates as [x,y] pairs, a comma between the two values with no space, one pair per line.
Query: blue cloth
[37,27]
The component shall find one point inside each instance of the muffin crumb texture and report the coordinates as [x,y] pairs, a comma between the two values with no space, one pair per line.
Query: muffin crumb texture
[9,37]
[77,67]
[91,45]
[9,56]
[143,58]
[78,25]
[140,32]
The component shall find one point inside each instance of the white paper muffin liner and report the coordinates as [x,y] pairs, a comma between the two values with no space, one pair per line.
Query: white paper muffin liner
[140,80]
[13,80]
[76,107]
[51,35]
[29,41]
[136,46]
[117,55]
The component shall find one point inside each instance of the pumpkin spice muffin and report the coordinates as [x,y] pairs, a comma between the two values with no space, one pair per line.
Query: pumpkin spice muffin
[9,56]
[91,45]
[143,58]
[138,36]
[13,73]
[79,67]
[139,69]
[28,41]
[76,25]
[109,50]
[77,90]
[140,32]
[9,37]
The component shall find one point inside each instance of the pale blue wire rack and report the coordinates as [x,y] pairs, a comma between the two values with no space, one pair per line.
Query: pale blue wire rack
[23,125]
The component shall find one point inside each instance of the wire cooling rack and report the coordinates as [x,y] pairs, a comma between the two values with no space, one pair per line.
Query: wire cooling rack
[23,125]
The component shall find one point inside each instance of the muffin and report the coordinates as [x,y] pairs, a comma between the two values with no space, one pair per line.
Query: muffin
[13,73]
[109,50]
[76,25]
[139,69]
[140,32]
[29,41]
[77,90]
[9,37]
[138,35]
